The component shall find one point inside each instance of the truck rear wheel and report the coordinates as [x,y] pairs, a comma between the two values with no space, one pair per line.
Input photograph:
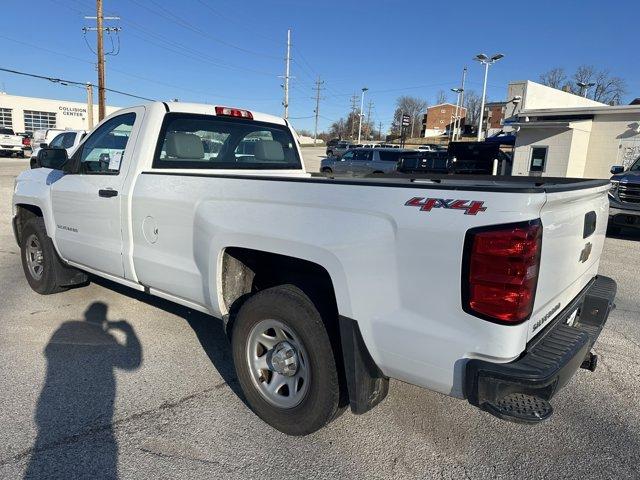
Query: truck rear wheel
[284,361]
[39,258]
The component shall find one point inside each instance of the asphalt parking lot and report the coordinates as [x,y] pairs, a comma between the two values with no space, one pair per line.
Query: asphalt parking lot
[104,382]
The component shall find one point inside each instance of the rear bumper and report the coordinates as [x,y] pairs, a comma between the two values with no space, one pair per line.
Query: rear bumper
[550,359]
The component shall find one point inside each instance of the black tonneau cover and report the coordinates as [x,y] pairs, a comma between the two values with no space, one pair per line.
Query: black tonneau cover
[485,183]
[481,183]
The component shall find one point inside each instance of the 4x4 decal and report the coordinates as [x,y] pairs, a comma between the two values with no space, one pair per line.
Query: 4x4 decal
[470,207]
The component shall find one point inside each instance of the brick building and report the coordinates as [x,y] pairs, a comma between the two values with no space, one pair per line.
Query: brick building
[493,117]
[439,119]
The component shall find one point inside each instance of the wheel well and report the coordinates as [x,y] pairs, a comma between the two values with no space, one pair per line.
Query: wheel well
[25,213]
[246,271]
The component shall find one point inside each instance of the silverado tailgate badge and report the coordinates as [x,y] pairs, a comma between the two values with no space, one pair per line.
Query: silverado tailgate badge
[586,251]
[470,207]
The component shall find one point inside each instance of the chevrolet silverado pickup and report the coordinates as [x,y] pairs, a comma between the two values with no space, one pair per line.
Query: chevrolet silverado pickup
[11,143]
[624,197]
[483,288]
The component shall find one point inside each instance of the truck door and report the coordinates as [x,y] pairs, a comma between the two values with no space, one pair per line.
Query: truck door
[87,204]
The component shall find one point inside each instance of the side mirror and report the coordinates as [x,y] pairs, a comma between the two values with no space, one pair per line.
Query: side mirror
[54,158]
[43,145]
[617,169]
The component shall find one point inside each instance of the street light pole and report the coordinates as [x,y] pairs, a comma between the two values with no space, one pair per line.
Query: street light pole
[364,89]
[456,116]
[486,61]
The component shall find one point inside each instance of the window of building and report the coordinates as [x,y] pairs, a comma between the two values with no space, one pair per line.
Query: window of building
[34,120]
[207,141]
[6,119]
[538,159]
[442,110]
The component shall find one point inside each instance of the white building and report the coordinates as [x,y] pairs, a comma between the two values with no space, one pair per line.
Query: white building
[27,114]
[576,142]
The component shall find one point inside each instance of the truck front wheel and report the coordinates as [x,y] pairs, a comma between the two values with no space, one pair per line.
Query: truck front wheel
[284,361]
[39,258]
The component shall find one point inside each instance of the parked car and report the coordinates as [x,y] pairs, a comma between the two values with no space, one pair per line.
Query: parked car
[68,139]
[337,149]
[432,147]
[624,197]
[479,288]
[10,143]
[363,161]
[343,147]
[424,162]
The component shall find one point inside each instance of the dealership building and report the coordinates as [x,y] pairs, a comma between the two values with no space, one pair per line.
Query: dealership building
[27,114]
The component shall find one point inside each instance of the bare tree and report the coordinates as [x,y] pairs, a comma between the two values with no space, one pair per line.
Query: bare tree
[441,97]
[472,102]
[606,88]
[412,106]
[556,78]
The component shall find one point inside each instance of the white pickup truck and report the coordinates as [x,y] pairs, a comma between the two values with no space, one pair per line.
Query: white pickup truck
[481,288]
[11,143]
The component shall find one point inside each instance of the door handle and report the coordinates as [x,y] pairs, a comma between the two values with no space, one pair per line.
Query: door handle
[107,192]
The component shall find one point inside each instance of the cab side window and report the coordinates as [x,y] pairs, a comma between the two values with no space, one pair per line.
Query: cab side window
[348,155]
[57,141]
[68,139]
[102,152]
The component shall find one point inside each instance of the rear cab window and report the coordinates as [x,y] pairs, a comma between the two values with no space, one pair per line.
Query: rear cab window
[195,141]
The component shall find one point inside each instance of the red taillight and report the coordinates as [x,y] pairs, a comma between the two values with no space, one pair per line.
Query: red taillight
[234,112]
[501,274]
[26,141]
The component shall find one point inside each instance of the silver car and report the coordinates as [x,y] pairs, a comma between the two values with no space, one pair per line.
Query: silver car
[363,161]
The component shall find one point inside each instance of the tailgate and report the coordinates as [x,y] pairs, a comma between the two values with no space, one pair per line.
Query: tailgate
[10,141]
[574,227]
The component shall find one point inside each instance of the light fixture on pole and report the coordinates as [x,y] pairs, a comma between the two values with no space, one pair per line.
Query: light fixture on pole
[364,89]
[454,130]
[486,61]
[584,87]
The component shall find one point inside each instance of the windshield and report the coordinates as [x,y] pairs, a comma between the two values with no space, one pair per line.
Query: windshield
[636,165]
[6,131]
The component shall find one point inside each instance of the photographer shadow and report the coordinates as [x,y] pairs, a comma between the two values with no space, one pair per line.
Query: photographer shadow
[75,409]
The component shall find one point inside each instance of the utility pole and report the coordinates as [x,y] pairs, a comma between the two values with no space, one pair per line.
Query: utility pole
[367,126]
[286,76]
[380,132]
[100,29]
[100,43]
[354,100]
[317,110]
[89,106]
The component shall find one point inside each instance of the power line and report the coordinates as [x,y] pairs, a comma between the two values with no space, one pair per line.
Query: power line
[172,17]
[64,82]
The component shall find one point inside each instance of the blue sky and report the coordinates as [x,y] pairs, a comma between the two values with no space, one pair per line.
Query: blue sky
[231,51]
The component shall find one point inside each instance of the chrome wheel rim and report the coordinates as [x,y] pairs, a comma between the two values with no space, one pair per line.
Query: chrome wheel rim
[278,363]
[34,257]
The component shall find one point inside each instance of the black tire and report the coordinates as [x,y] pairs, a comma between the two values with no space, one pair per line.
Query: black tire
[47,282]
[327,170]
[291,307]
